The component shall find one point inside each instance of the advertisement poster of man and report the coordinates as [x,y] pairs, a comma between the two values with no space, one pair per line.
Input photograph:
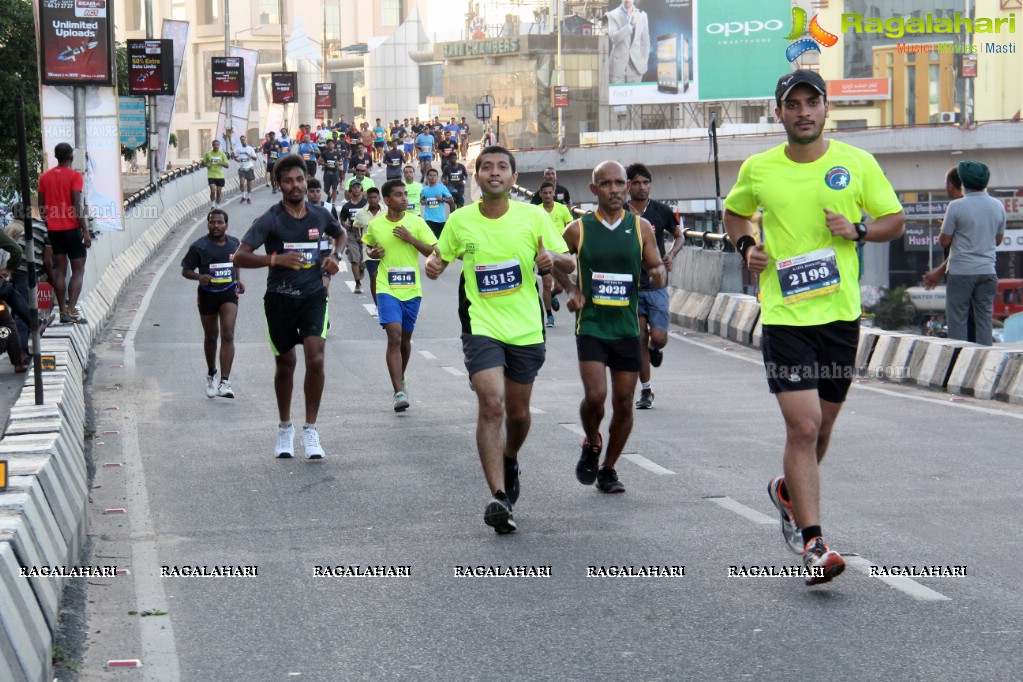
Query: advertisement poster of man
[669,51]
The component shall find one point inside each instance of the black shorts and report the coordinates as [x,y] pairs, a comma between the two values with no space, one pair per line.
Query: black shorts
[215,182]
[290,319]
[378,144]
[821,357]
[459,198]
[310,168]
[209,302]
[521,363]
[623,355]
[331,180]
[68,242]
[435,227]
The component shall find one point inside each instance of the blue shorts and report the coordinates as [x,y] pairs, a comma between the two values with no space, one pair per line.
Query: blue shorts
[390,310]
[653,305]
[409,147]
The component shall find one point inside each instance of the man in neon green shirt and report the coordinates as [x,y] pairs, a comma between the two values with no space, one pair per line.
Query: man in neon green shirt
[561,216]
[397,238]
[500,242]
[414,189]
[215,161]
[814,193]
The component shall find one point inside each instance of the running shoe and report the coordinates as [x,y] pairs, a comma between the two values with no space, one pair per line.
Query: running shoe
[817,556]
[225,390]
[285,442]
[358,288]
[65,318]
[404,387]
[656,357]
[211,384]
[550,320]
[76,316]
[400,403]
[498,514]
[311,443]
[646,399]
[789,529]
[511,478]
[607,481]
[555,304]
[586,469]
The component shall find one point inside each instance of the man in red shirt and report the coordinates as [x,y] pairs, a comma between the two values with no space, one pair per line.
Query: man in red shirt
[60,205]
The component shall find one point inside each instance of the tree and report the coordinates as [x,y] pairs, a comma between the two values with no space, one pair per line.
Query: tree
[19,75]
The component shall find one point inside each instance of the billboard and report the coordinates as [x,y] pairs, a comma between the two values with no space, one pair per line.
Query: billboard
[234,111]
[131,119]
[284,87]
[228,76]
[326,95]
[669,51]
[178,32]
[150,67]
[75,46]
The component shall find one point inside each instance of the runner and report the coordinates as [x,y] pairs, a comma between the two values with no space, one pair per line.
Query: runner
[498,241]
[245,155]
[612,246]
[294,235]
[346,215]
[361,222]
[362,177]
[414,189]
[272,149]
[219,286]
[424,143]
[560,193]
[654,316]
[393,160]
[813,191]
[397,238]
[215,162]
[561,216]
[433,198]
[454,177]
[309,152]
[379,138]
[331,162]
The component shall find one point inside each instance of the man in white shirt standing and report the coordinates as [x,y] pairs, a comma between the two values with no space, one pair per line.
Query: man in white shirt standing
[245,155]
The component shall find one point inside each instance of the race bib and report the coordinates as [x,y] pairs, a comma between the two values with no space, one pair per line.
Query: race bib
[611,288]
[221,273]
[307,156]
[498,279]
[456,176]
[808,276]
[401,278]
[410,206]
[426,149]
[432,202]
[310,252]
[331,163]
[393,163]
[274,155]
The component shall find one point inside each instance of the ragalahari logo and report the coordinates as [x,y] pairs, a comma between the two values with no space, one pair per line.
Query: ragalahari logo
[818,36]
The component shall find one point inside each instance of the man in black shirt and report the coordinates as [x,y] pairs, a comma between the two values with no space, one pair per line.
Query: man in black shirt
[393,160]
[354,245]
[219,287]
[272,149]
[331,162]
[294,235]
[560,193]
[448,150]
[654,315]
[454,177]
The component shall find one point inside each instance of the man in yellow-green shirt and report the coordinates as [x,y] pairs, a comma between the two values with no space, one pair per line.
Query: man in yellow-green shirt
[561,216]
[499,242]
[397,238]
[814,193]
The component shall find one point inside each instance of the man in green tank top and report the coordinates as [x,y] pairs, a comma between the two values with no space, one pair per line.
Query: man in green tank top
[611,247]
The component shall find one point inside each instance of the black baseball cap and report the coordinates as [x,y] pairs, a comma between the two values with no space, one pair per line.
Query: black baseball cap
[799,77]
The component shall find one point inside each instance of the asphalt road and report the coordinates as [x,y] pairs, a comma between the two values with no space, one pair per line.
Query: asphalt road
[912,479]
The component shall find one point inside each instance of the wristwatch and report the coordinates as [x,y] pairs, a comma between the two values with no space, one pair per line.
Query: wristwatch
[861,231]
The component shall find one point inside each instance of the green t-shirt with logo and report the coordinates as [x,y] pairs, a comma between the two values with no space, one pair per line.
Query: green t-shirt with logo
[398,274]
[560,215]
[812,277]
[415,193]
[498,297]
[212,160]
[366,182]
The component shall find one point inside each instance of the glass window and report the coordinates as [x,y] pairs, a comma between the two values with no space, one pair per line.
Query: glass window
[268,12]
[910,94]
[205,140]
[391,12]
[333,17]
[933,100]
[184,149]
[209,11]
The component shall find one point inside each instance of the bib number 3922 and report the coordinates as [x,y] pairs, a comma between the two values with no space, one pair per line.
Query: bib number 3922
[498,279]
[808,275]
[609,288]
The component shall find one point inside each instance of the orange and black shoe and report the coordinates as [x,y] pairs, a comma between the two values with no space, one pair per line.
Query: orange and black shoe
[823,563]
[586,469]
[789,529]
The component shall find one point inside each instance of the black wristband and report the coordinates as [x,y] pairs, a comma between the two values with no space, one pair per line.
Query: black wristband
[745,242]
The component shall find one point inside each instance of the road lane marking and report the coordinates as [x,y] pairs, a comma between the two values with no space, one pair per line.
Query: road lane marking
[944,400]
[642,461]
[427,354]
[742,510]
[452,370]
[899,582]
[370,308]
[576,429]
[350,284]
[536,410]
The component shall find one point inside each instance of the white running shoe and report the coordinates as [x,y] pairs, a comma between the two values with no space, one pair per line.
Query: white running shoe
[400,402]
[311,443]
[285,442]
[211,384]
[225,389]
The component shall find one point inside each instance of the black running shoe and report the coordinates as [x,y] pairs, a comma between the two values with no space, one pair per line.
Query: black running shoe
[555,305]
[607,481]
[498,514]
[646,399]
[586,469]
[656,357]
[511,478]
